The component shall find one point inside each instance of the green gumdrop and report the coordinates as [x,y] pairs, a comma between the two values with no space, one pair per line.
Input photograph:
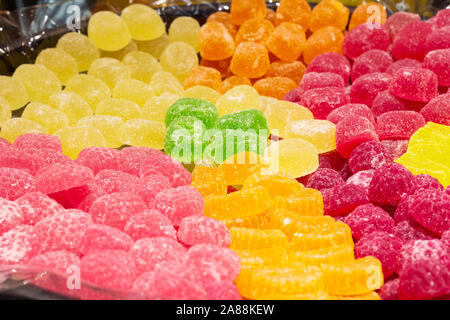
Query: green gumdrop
[201,109]
[245,120]
[184,139]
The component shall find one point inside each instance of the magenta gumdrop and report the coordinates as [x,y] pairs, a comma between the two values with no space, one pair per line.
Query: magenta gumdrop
[363,38]
[411,41]
[439,39]
[368,218]
[324,178]
[331,62]
[438,110]
[314,80]
[367,156]
[162,164]
[132,157]
[397,21]
[342,199]
[416,84]
[195,230]
[366,88]
[411,230]
[389,291]
[99,158]
[38,141]
[424,182]
[150,224]
[369,62]
[350,109]
[443,18]
[385,102]
[402,63]
[399,124]
[18,245]
[322,101]
[438,61]
[362,179]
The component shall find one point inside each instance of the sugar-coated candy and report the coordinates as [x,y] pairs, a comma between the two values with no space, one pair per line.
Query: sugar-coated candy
[437,110]
[416,84]
[58,260]
[256,30]
[110,127]
[185,29]
[397,21]
[280,113]
[195,230]
[371,61]
[51,119]
[112,181]
[386,102]
[99,158]
[163,81]
[399,124]
[179,58]
[150,224]
[324,40]
[121,108]
[443,18]
[234,81]
[331,62]
[275,87]
[438,62]
[287,41]
[368,12]
[369,155]
[14,183]
[132,157]
[209,180]
[20,159]
[366,88]
[324,178]
[293,70]
[394,149]
[439,39]
[239,98]
[37,206]
[361,178]
[342,199]
[99,237]
[72,104]
[251,119]
[108,31]
[329,13]
[351,109]
[109,70]
[204,76]
[144,133]
[11,215]
[75,139]
[321,133]
[80,48]
[142,64]
[322,101]
[368,218]
[156,107]
[246,238]
[242,10]
[216,43]
[154,47]
[92,89]
[363,38]
[201,109]
[13,91]
[222,291]
[143,22]
[203,93]
[132,90]
[406,62]
[224,18]
[18,245]
[313,80]
[61,63]
[250,60]
[411,41]
[426,182]
[120,54]
[297,11]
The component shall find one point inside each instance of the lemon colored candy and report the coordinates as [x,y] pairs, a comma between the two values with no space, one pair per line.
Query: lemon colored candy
[63,65]
[108,31]
[280,113]
[16,127]
[154,47]
[203,93]
[133,90]
[179,58]
[109,126]
[121,108]
[321,133]
[266,102]
[92,89]
[110,71]
[142,65]
[237,99]
[50,118]
[76,139]
[143,22]
[38,80]
[119,54]
[185,29]
[80,48]
[144,133]
[156,107]
[14,92]
[163,81]
[72,104]
[5,111]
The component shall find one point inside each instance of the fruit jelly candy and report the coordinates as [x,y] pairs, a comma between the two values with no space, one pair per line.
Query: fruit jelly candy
[325,40]
[15,183]
[311,241]
[368,218]
[367,156]
[331,160]
[339,254]
[144,133]
[109,70]
[142,65]
[342,199]
[354,277]
[251,119]
[186,29]
[394,149]
[438,39]
[36,206]
[293,70]
[209,181]
[319,132]
[280,113]
[71,104]
[224,18]
[329,13]
[364,14]
[276,87]
[98,237]
[389,291]
[324,178]
[396,22]
[437,110]
[416,84]
[150,224]
[59,260]
[110,127]
[406,62]
[351,109]
[154,47]
[291,223]
[201,109]
[308,202]
[148,187]
[216,42]
[61,63]
[143,22]
[243,10]
[385,102]
[163,81]
[49,118]
[268,257]
[75,139]
[399,124]
[203,230]
[112,181]
[371,61]
[438,62]
[351,132]
[47,157]
[18,245]
[445,238]
[108,31]
[5,111]
[204,76]
[443,18]
[240,204]
[366,88]
[120,54]
[121,108]
[222,291]
[255,30]
[38,80]
[411,41]
[235,81]
[90,88]
[223,66]
[20,159]
[314,80]
[331,62]
[363,38]
[156,107]
[13,91]
[322,101]
[132,90]
[80,48]
[239,98]
[202,93]
[237,168]
[297,11]
[254,239]
[99,158]
[426,182]
[250,60]
[276,184]
[287,41]
[132,157]
[179,58]
[11,215]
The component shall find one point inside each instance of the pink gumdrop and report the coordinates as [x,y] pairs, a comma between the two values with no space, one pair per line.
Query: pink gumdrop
[407,62]
[99,158]
[411,230]
[438,61]
[11,215]
[362,179]
[411,41]
[14,183]
[424,182]
[397,21]
[112,181]
[368,218]
[99,237]
[350,109]
[322,101]
[18,245]
[389,291]
[385,102]
[162,164]
[36,206]
[203,230]
[342,199]
[132,157]
[446,238]
[5,143]
[222,291]
[351,132]
[59,260]
[292,96]
[94,192]
[363,38]
[438,110]
[371,61]
[439,39]
[399,124]
[324,178]
[148,187]
[345,172]
[366,88]
[443,18]
[402,211]
[331,62]
[38,141]
[150,224]
[394,149]
[331,160]
[368,155]
[49,157]
[20,159]
[416,84]
[314,80]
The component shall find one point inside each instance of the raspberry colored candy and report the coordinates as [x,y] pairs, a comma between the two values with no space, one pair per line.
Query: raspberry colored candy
[439,39]
[342,199]
[438,110]
[18,245]
[385,102]
[350,109]
[396,22]
[324,178]
[351,132]
[148,187]
[203,230]
[292,96]
[389,291]
[150,224]
[112,181]
[322,101]
[384,246]
[363,38]
[147,253]
[407,62]
[411,230]
[222,291]
[5,143]
[99,158]
[20,159]
[424,182]
[178,203]
[402,211]
[99,237]
[362,179]
[36,206]
[443,18]
[438,61]
[314,80]
[411,41]
[63,231]
[331,62]
[390,183]
[38,141]
[416,84]
[10,215]
[366,88]
[345,172]
[371,61]
[95,192]
[132,157]
[394,149]
[14,183]
[331,160]
[368,155]
[446,238]
[47,157]
[60,260]
[115,209]
[159,163]
[399,124]
[368,218]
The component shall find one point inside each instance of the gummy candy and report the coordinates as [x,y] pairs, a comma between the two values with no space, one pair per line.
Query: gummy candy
[209,181]
[293,70]
[426,182]
[15,127]
[324,178]
[349,109]
[108,31]
[163,81]
[80,48]
[327,256]
[99,158]
[109,70]
[239,98]
[242,10]
[331,62]
[275,87]
[324,40]
[144,133]
[132,90]
[18,245]
[204,76]
[202,93]
[110,127]
[156,107]
[297,11]
[399,124]
[411,41]
[368,218]
[366,88]
[342,199]
[179,58]
[75,139]
[369,62]
[363,38]
[329,13]
[397,21]
[435,110]
[416,84]
[144,23]
[154,47]
[254,239]
[251,119]
[438,39]
[36,206]
[15,183]
[367,156]
[234,81]
[195,230]
[120,54]
[11,215]
[321,133]
[5,111]
[250,60]
[275,184]
[369,12]
[281,113]
[49,118]
[407,62]
[72,104]
[255,30]
[62,64]
[99,237]
[386,102]
[143,65]
[438,62]
[121,108]
[92,90]
[216,43]
[287,41]
[322,101]
[224,18]
[185,29]
[200,109]
[150,224]
[14,92]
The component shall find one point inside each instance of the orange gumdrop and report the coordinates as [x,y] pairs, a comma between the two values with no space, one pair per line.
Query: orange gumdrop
[216,43]
[255,30]
[243,10]
[270,15]
[297,11]
[329,13]
[223,66]
[276,87]
[250,60]
[204,76]
[327,39]
[294,70]
[287,41]
[223,17]
[370,12]
[234,81]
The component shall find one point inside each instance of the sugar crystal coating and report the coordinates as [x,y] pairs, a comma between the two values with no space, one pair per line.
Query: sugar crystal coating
[222,291]
[411,41]
[99,158]
[416,84]
[331,62]
[401,124]
[410,230]
[438,62]
[20,159]
[438,110]
[389,291]
[394,149]
[150,224]
[369,62]
[37,141]
[426,182]
[11,215]
[112,181]
[366,88]
[397,21]
[37,206]
[60,177]
[314,80]
[385,102]
[367,156]
[59,260]
[350,109]
[132,157]
[159,163]
[195,230]
[362,178]
[406,62]
[99,237]
[364,38]
[342,199]
[324,178]
[322,101]
[439,39]
[18,245]
[14,183]
[144,22]
[108,31]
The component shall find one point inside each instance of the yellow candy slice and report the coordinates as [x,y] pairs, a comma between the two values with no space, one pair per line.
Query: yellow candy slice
[321,133]
[255,239]
[318,257]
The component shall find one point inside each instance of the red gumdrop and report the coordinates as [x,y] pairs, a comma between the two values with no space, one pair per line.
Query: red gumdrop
[11,215]
[402,211]
[416,84]
[203,230]
[342,199]
[18,245]
[399,124]
[362,179]
[411,230]
[363,38]
[368,218]
[402,63]
[411,41]
[324,178]
[132,157]
[38,141]
[345,172]
[36,206]
[371,61]
[292,96]
[385,102]
[61,177]
[443,18]
[384,246]
[351,132]
[112,181]
[331,62]
[390,183]
[5,143]
[350,109]
[438,110]
[439,39]
[394,149]
[424,182]
[14,183]
[20,159]
[389,291]
[99,237]
[150,224]
[366,88]
[368,155]
[95,192]
[48,157]
[148,187]
[99,158]
[438,61]
[314,80]
[162,164]
[446,238]
[222,291]
[331,160]
[59,260]
[397,21]
[322,101]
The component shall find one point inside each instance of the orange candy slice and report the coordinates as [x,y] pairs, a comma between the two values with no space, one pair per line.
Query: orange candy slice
[255,239]
[307,202]
[336,254]
[209,181]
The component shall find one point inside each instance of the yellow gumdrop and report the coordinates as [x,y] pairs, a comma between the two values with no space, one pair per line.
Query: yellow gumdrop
[142,64]
[38,80]
[5,111]
[110,71]
[144,23]
[63,65]
[76,139]
[108,31]
[179,58]
[92,89]
[15,127]
[186,29]
[154,47]
[121,108]
[144,133]
[133,90]
[50,118]
[80,48]
[163,81]
[266,102]
[280,113]
[13,91]
[72,104]
[119,54]
[155,108]
[203,93]
[321,133]
[237,99]
[109,126]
